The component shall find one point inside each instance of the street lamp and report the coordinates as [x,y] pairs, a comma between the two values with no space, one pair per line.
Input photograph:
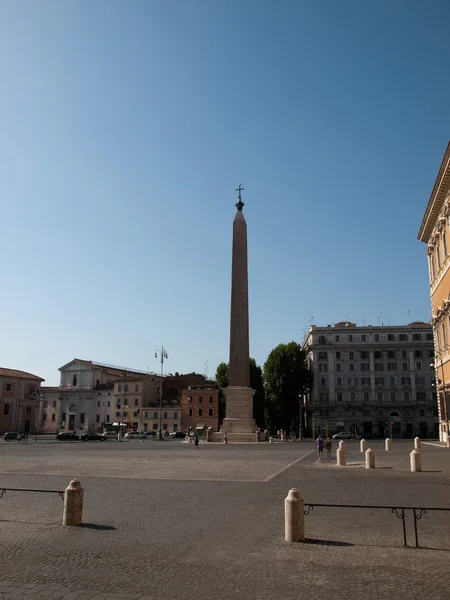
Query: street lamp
[163,354]
[189,414]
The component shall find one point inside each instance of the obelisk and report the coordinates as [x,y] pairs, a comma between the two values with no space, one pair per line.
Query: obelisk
[239,394]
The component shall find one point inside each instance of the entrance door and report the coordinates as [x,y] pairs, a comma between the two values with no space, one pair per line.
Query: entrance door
[381,429]
[71,422]
[27,426]
[409,430]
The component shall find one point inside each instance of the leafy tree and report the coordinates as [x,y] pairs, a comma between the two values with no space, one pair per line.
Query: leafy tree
[256,382]
[286,375]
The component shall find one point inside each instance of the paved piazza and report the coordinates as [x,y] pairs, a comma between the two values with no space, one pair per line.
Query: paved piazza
[164,521]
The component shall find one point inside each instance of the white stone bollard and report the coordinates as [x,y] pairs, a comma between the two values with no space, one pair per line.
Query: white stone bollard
[416,461]
[73,504]
[363,445]
[294,517]
[417,443]
[448,441]
[370,459]
[342,444]
[340,457]
[388,444]
[271,440]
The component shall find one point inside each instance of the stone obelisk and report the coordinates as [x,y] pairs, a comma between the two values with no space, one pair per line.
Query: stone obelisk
[239,395]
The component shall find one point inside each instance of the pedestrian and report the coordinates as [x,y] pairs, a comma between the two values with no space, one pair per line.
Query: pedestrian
[196,440]
[319,445]
[329,445]
[225,438]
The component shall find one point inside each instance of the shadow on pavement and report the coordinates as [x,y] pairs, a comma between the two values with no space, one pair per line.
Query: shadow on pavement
[326,542]
[98,527]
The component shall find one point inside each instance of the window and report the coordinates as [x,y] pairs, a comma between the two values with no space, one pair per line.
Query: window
[339,396]
[392,381]
[352,366]
[420,380]
[352,397]
[379,380]
[421,396]
[338,355]
[350,338]
[125,387]
[6,409]
[432,269]
[418,353]
[391,337]
[380,412]
[338,367]
[8,387]
[363,337]
[164,415]
[136,387]
[53,417]
[393,397]
[155,425]
[200,412]
[444,243]
[421,412]
[28,410]
[322,339]
[392,366]
[119,387]
[190,412]
[97,383]
[323,355]
[323,381]
[200,399]
[211,412]
[135,414]
[405,396]
[417,337]
[211,399]
[364,355]
[323,397]
[378,366]
[367,413]
[419,365]
[365,367]
[429,337]
[340,413]
[377,354]
[74,380]
[404,366]
[365,381]
[377,337]
[175,415]
[323,367]
[339,381]
[351,355]
[136,401]
[108,404]
[406,380]
[117,414]
[391,354]
[379,396]
[403,337]
[98,403]
[366,396]
[404,354]
[107,418]
[155,415]
[54,403]
[352,381]
[82,418]
[97,419]
[337,338]
[438,255]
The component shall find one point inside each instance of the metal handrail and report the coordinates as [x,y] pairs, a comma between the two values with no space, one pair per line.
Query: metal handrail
[4,490]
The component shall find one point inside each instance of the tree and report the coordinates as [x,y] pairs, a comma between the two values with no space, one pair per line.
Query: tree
[286,376]
[256,382]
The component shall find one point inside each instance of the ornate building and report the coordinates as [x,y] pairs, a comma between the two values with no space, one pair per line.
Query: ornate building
[435,232]
[372,381]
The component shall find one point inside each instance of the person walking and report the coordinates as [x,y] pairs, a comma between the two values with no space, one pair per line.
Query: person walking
[319,445]
[196,440]
[225,438]
[329,445]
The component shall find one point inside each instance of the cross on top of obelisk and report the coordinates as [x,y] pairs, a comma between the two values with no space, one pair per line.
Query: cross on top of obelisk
[239,204]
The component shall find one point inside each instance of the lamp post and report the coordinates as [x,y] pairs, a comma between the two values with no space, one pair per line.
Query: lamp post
[163,355]
[189,414]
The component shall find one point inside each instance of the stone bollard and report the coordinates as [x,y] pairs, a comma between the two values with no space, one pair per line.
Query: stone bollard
[294,517]
[363,445]
[73,504]
[266,435]
[448,441]
[388,444]
[370,459]
[417,443]
[342,444]
[271,440]
[283,437]
[416,461]
[340,457]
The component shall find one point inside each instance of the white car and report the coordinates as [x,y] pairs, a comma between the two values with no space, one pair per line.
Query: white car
[343,435]
[135,434]
[109,434]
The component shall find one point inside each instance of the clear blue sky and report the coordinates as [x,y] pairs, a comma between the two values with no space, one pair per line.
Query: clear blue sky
[127,126]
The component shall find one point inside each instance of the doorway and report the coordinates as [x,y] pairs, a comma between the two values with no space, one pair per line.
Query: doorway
[27,426]
[71,422]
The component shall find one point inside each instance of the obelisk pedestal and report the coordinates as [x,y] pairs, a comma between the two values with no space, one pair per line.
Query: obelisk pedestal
[238,422]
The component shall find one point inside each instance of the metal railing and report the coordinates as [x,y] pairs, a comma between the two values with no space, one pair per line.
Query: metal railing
[4,490]
[399,511]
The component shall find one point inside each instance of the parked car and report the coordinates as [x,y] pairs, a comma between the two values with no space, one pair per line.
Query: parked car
[109,434]
[93,437]
[178,434]
[11,436]
[343,435]
[135,434]
[67,436]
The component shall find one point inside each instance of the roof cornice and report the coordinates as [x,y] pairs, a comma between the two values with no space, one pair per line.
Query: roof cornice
[436,199]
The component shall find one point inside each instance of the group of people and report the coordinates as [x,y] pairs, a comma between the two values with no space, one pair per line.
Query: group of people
[320,443]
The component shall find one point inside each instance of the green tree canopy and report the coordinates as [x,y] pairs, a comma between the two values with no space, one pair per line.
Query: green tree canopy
[286,375]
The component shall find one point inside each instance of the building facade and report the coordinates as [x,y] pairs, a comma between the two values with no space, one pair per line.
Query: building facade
[200,407]
[20,401]
[435,232]
[372,381]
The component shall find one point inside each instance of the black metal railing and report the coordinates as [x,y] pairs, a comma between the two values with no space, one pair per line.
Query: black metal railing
[398,511]
[4,490]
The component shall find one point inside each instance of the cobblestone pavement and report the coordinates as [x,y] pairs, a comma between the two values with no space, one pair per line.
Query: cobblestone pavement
[218,532]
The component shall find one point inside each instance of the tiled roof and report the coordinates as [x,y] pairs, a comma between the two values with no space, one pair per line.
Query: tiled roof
[4,372]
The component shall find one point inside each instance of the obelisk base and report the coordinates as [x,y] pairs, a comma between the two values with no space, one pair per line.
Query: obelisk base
[239,411]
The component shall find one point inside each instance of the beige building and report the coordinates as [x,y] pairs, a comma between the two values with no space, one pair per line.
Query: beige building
[134,396]
[20,399]
[435,232]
